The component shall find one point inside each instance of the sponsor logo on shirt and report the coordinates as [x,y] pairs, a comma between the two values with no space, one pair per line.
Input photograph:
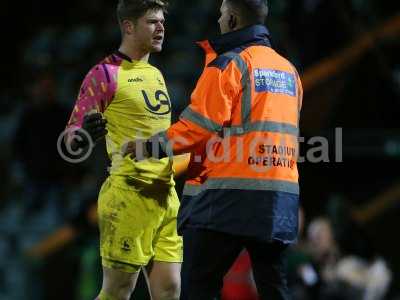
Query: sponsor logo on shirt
[137,79]
[159,104]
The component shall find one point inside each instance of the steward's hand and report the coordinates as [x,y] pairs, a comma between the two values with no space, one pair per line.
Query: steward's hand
[135,149]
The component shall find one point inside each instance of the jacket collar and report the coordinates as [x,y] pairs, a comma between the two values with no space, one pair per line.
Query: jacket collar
[254,34]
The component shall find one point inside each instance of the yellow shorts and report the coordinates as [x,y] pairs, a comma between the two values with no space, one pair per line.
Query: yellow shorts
[137,225]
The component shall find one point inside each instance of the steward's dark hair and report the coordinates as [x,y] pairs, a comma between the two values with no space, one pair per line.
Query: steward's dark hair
[251,11]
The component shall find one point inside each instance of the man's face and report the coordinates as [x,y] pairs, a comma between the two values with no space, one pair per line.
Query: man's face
[225,17]
[149,31]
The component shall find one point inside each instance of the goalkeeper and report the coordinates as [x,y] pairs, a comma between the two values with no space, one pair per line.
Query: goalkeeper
[138,205]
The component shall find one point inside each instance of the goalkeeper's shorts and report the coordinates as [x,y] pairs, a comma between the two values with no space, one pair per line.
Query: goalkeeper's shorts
[137,225]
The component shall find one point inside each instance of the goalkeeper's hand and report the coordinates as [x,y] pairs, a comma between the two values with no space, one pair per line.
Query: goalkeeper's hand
[93,130]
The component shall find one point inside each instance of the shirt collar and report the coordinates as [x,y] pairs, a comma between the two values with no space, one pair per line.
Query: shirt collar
[123,56]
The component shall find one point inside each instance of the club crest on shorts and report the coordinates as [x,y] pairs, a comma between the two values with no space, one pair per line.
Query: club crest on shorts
[126,244]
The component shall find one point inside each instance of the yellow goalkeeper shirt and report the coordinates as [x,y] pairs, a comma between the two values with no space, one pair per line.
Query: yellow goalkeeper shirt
[133,97]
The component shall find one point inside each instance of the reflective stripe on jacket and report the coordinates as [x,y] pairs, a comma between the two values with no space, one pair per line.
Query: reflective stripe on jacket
[241,127]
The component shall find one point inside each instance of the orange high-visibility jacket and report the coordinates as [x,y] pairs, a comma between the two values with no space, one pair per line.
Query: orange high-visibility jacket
[242,129]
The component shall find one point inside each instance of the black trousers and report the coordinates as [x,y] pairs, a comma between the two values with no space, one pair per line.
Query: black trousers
[208,255]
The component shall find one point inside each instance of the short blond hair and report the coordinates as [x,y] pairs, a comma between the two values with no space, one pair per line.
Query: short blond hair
[132,10]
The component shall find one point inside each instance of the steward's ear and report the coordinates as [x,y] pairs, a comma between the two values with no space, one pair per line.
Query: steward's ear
[232,23]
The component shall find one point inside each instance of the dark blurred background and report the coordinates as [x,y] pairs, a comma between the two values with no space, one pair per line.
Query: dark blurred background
[347,52]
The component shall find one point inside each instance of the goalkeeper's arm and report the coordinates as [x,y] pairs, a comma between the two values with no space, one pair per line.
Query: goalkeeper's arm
[92,131]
